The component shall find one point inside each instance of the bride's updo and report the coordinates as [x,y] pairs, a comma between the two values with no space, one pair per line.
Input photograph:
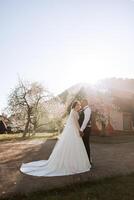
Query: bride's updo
[74,104]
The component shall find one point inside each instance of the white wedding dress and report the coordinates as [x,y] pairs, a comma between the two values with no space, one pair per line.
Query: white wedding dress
[68,157]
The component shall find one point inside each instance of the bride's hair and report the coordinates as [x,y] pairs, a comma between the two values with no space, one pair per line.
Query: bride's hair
[74,104]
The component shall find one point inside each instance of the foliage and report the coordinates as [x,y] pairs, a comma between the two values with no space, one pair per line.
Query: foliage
[25,104]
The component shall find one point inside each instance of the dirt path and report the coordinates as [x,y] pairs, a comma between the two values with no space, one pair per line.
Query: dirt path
[108,159]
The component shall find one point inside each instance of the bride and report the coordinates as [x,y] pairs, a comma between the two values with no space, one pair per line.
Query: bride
[69,155]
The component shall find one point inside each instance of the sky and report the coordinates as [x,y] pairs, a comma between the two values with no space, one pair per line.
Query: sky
[63,42]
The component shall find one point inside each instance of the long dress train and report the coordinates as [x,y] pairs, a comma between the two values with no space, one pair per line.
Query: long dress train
[68,157]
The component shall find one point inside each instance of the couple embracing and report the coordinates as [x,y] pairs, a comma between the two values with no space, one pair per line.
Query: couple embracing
[71,154]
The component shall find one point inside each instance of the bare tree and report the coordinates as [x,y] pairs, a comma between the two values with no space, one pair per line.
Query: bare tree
[26,101]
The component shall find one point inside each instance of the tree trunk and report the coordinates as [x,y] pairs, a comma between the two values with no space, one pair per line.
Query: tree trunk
[34,129]
[103,129]
[27,125]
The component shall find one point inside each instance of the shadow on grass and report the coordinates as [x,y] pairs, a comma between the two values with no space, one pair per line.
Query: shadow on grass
[113,139]
[25,184]
[10,176]
[107,162]
[115,188]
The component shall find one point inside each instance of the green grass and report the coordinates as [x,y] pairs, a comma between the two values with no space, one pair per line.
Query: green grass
[114,139]
[18,136]
[116,188]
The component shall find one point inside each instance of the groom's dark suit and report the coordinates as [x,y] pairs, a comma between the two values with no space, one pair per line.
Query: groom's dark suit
[86,131]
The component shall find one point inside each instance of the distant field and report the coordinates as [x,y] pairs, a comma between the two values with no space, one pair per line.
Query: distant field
[18,136]
[122,138]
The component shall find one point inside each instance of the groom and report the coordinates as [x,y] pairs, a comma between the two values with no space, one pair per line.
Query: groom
[85,126]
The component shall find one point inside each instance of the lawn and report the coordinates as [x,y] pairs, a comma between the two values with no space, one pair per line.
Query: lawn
[112,155]
[116,188]
[113,139]
[18,136]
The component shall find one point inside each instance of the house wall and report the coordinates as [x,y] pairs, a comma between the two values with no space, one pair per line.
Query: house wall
[127,121]
[116,120]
